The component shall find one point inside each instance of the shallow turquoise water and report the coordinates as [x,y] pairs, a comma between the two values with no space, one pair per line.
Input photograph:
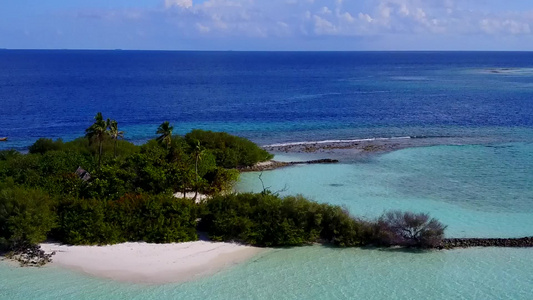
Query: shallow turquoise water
[310,273]
[477,190]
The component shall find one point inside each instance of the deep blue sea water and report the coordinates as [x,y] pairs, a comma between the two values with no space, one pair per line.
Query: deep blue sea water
[476,177]
[265,96]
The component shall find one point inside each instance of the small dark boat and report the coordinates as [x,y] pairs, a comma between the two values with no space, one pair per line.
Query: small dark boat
[4,139]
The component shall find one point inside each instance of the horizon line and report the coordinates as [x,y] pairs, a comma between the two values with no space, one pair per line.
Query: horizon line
[203,50]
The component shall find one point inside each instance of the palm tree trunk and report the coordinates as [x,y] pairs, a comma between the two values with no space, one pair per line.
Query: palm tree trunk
[196,185]
[99,153]
[115,150]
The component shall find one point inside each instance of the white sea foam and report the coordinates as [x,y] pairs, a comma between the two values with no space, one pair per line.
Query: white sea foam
[507,71]
[340,141]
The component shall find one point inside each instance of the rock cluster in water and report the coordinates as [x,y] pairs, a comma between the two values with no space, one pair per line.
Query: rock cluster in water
[30,255]
[486,242]
[326,147]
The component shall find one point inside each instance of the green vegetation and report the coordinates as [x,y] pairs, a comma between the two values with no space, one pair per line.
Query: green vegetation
[151,218]
[43,145]
[409,230]
[230,151]
[25,215]
[100,189]
[97,133]
[165,131]
[266,219]
[115,134]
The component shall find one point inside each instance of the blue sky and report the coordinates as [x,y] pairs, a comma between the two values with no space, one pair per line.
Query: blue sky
[267,24]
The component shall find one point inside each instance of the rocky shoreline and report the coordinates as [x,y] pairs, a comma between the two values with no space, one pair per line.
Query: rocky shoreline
[359,146]
[369,146]
[273,164]
[451,243]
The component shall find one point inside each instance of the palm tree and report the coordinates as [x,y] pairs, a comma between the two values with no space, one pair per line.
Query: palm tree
[198,151]
[165,131]
[115,134]
[97,132]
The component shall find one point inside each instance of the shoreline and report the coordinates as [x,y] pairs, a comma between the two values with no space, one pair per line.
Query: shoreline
[350,150]
[143,263]
[158,264]
[274,164]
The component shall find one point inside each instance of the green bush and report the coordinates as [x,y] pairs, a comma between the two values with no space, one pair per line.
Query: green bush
[26,215]
[230,151]
[83,222]
[61,162]
[44,145]
[23,169]
[155,219]
[407,229]
[124,148]
[220,180]
[269,220]
[339,228]
[110,182]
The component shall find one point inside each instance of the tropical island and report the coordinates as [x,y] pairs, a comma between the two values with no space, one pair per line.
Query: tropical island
[100,189]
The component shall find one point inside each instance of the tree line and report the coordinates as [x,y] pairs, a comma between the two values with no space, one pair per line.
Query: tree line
[128,193]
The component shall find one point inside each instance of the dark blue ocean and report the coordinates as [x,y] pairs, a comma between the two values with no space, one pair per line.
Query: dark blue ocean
[265,96]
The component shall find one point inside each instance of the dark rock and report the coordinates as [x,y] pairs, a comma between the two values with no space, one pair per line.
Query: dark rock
[29,255]
[485,242]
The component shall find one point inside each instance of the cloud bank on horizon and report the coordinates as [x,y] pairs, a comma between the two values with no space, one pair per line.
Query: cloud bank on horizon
[270,25]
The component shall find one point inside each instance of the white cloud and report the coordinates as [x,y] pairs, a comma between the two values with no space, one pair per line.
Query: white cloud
[336,18]
[307,18]
[323,26]
[325,10]
[347,17]
[180,3]
[495,26]
[201,28]
[365,17]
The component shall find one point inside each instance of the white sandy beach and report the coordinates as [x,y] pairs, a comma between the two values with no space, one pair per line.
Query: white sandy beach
[151,263]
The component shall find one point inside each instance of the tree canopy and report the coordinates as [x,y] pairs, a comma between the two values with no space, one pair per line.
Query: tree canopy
[165,133]
[101,189]
[46,187]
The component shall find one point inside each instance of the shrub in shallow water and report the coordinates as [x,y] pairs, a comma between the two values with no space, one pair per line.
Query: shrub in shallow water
[407,229]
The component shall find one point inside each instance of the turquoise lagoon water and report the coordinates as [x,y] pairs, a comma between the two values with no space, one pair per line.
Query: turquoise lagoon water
[310,273]
[477,190]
